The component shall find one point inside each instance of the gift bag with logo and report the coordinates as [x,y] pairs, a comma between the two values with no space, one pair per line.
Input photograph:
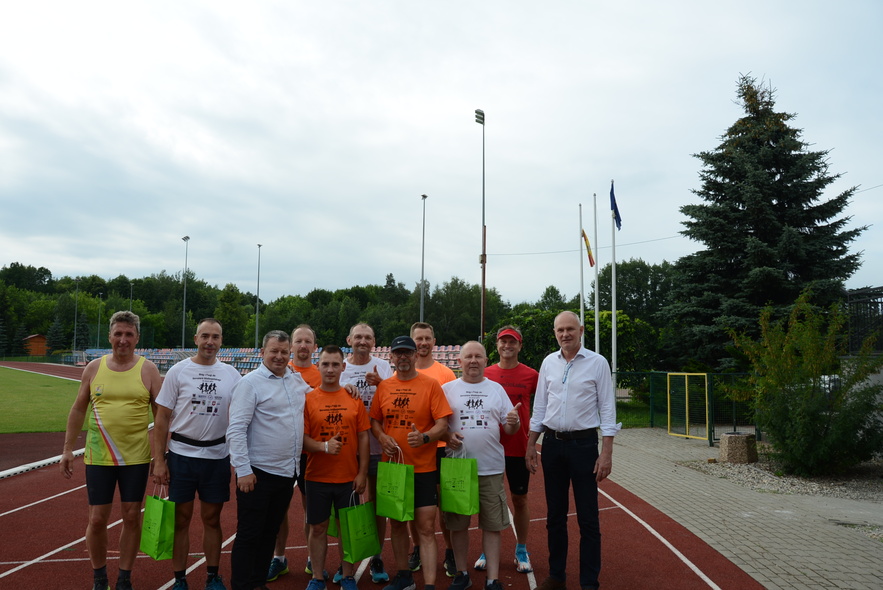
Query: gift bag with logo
[358,532]
[332,524]
[395,490]
[459,485]
[158,528]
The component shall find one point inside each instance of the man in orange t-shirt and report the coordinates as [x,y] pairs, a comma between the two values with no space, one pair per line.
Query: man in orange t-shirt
[424,337]
[336,437]
[409,413]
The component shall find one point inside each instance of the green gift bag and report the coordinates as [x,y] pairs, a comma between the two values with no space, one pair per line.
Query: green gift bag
[395,491]
[459,485]
[358,532]
[158,528]
[332,524]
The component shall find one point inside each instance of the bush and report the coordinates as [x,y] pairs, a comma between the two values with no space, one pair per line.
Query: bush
[819,409]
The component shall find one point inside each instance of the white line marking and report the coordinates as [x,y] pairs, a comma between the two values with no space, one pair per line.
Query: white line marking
[43,500]
[665,542]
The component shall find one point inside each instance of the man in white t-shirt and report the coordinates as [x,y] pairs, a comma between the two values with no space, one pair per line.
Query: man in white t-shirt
[481,409]
[192,405]
[365,372]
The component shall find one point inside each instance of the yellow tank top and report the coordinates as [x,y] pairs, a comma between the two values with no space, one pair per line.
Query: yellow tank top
[117,433]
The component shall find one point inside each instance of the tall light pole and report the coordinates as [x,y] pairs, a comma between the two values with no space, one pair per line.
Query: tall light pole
[423,258]
[479,118]
[130,294]
[184,308]
[257,302]
[76,313]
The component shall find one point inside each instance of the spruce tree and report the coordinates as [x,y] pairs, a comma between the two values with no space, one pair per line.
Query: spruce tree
[769,232]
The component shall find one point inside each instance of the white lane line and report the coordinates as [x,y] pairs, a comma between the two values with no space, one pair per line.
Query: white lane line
[53,552]
[665,542]
[43,500]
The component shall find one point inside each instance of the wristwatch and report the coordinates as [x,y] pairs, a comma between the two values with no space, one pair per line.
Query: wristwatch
[425,438]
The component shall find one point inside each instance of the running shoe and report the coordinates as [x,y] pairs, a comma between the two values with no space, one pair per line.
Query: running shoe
[278,567]
[348,583]
[461,582]
[309,570]
[480,563]
[181,585]
[338,575]
[522,560]
[402,581]
[495,585]
[215,582]
[316,584]
[101,584]
[124,584]
[378,574]
[414,559]
[449,563]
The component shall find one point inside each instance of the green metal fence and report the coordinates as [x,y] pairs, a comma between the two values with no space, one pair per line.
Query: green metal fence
[642,400]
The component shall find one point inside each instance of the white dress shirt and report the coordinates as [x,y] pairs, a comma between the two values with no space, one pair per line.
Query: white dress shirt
[575,395]
[267,422]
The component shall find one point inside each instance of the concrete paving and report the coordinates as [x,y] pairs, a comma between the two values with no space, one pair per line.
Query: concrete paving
[782,541]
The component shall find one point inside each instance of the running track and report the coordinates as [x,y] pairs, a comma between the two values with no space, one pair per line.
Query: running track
[43,517]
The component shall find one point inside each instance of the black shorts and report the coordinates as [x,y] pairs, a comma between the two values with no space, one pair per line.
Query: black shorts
[102,480]
[189,475]
[517,475]
[322,496]
[426,489]
[300,474]
[373,460]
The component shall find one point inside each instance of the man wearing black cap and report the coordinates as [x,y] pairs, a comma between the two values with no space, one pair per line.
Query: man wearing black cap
[409,413]
[520,383]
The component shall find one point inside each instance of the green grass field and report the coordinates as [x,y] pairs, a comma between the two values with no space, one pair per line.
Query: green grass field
[34,403]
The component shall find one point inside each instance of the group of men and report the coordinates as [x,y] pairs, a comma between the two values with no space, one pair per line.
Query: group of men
[323,428]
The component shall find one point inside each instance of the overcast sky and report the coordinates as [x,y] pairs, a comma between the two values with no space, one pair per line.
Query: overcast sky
[314,127]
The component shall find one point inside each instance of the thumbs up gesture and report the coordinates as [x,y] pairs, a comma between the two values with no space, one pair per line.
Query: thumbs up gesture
[512,417]
[335,443]
[415,437]
[373,377]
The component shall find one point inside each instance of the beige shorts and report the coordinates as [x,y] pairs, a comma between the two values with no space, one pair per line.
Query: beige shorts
[493,513]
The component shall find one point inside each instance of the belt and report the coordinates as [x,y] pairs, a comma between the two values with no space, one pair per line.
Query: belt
[572,434]
[198,443]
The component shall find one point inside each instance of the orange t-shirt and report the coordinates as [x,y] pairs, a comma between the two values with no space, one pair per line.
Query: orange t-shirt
[439,372]
[325,414]
[420,401]
[309,374]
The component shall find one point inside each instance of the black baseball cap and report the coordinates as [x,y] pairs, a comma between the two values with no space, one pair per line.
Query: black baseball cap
[400,342]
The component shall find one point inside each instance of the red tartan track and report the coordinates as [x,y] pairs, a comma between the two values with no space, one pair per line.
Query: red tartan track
[43,517]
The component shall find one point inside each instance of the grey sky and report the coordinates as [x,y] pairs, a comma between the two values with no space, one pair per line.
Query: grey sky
[313,129]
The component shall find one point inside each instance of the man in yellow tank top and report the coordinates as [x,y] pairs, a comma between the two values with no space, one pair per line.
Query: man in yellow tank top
[118,391]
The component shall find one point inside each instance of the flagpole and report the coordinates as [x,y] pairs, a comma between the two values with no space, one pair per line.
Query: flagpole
[582,289]
[597,266]
[613,283]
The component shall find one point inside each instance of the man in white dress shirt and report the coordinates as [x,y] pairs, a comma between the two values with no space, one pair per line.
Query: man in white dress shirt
[574,398]
[265,437]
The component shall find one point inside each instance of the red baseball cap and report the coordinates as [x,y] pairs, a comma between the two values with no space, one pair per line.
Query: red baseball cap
[509,332]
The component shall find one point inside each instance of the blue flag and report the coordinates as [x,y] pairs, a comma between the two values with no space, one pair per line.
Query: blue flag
[614,208]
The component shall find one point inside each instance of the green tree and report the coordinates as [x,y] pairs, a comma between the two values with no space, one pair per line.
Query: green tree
[552,300]
[819,408]
[642,290]
[767,228]
[82,336]
[55,338]
[4,340]
[17,346]
[232,315]
[28,278]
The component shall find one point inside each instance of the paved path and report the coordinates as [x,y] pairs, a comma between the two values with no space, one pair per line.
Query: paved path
[783,541]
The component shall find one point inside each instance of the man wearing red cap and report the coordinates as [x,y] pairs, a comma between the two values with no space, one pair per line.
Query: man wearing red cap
[520,383]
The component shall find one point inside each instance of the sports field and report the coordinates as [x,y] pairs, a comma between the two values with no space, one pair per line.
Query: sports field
[33,402]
